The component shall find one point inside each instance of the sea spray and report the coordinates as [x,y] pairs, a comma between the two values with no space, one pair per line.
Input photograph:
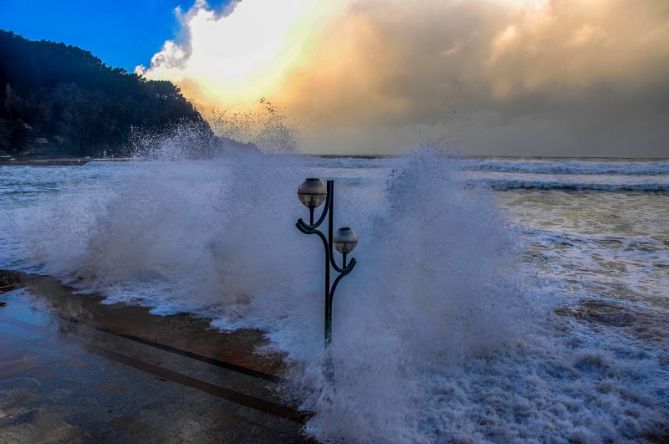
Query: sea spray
[217,238]
[265,125]
[440,334]
[433,286]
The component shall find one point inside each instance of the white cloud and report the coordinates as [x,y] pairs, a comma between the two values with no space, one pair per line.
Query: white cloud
[375,75]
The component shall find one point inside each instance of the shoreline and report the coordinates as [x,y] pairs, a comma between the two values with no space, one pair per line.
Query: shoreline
[77,161]
[60,162]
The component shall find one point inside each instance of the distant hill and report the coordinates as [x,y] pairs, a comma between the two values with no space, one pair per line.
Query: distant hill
[61,101]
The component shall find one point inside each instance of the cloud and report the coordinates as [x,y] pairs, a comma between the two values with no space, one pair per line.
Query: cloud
[528,77]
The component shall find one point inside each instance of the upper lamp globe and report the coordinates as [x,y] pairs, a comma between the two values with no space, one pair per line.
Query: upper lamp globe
[312,192]
[345,240]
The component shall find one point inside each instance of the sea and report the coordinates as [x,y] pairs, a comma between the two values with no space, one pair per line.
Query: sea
[493,300]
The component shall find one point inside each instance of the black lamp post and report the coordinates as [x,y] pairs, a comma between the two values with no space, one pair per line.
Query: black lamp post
[312,193]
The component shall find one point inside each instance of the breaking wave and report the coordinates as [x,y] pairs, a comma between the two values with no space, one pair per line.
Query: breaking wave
[442,333]
[517,184]
[581,167]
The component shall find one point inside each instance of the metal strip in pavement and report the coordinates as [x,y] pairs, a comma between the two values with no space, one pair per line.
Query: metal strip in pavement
[231,395]
[180,351]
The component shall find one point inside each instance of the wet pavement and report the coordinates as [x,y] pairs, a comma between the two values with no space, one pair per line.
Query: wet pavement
[73,370]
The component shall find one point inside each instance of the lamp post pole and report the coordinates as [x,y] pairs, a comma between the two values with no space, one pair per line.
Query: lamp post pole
[312,193]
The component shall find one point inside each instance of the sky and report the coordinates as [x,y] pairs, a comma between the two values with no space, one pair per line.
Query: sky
[488,77]
[123,33]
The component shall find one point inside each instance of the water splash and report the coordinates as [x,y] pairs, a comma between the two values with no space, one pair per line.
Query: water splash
[266,126]
[437,334]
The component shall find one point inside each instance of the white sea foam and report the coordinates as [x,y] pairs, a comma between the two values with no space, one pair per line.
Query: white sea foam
[442,333]
[579,167]
[574,182]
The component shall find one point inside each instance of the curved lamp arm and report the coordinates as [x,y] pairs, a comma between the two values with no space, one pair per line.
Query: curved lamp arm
[329,254]
[346,271]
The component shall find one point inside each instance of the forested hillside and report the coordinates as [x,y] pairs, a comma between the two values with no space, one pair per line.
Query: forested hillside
[59,100]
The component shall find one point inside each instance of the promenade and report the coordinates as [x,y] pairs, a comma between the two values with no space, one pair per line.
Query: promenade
[73,370]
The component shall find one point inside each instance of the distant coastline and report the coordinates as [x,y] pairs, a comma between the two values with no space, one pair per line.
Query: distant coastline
[60,101]
[73,161]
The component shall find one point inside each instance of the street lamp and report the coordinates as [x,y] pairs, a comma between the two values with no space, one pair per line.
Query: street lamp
[312,193]
[345,241]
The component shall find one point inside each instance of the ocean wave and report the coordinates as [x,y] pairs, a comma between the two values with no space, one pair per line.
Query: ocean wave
[658,168]
[519,184]
[441,334]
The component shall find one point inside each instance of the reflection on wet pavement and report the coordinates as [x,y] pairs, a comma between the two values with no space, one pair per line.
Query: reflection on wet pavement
[75,370]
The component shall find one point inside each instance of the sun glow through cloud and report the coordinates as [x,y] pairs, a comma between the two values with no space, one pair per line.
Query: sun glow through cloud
[241,56]
[496,76]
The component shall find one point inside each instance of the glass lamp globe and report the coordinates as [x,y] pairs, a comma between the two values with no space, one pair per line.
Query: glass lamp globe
[345,240]
[311,192]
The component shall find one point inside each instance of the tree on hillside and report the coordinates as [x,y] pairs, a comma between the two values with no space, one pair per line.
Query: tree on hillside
[80,106]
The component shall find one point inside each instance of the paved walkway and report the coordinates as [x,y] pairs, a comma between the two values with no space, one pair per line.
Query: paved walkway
[73,370]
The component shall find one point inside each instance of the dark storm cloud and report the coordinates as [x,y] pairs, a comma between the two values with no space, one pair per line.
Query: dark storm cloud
[524,77]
